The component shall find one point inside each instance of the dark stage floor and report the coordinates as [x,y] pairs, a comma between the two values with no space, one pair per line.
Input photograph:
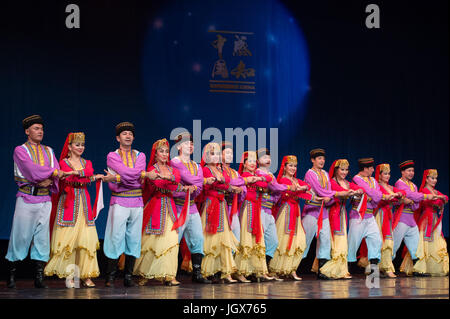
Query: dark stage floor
[308,288]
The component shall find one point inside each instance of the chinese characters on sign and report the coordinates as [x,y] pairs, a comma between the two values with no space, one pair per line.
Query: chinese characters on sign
[236,76]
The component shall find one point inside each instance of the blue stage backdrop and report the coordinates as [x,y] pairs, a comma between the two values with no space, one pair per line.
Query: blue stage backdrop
[311,70]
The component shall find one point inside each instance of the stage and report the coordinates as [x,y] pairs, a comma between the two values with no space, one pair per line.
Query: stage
[309,288]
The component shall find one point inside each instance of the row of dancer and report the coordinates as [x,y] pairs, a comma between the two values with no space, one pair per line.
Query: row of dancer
[250,222]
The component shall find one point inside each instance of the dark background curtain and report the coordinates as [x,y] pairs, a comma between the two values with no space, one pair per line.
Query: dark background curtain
[371,93]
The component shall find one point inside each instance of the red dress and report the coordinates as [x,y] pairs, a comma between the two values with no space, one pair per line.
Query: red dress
[161,201]
[214,198]
[73,193]
[291,199]
[254,198]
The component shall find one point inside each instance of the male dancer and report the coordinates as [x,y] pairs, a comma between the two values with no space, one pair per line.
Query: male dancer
[365,226]
[312,220]
[126,170]
[191,175]
[269,198]
[407,229]
[36,172]
[237,185]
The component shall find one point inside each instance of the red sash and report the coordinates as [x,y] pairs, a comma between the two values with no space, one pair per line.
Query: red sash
[213,213]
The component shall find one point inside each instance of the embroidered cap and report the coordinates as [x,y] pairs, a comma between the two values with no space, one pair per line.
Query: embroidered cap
[30,120]
[317,152]
[406,164]
[184,137]
[263,151]
[365,162]
[226,144]
[124,126]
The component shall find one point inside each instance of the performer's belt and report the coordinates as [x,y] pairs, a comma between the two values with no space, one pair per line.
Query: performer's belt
[34,191]
[128,194]
[313,203]
[162,190]
[407,211]
[368,210]
[258,189]
[180,201]
[267,204]
[77,184]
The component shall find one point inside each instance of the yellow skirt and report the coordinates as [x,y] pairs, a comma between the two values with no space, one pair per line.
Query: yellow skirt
[159,254]
[250,257]
[432,255]
[74,245]
[387,250]
[218,248]
[285,261]
[337,266]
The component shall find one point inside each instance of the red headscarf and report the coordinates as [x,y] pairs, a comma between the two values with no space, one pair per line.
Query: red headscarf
[156,145]
[426,218]
[146,189]
[337,163]
[207,149]
[426,173]
[243,158]
[379,169]
[286,159]
[78,136]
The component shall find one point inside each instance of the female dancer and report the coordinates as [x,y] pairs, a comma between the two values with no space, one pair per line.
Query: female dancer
[432,251]
[384,217]
[159,252]
[250,256]
[74,237]
[337,266]
[291,236]
[219,241]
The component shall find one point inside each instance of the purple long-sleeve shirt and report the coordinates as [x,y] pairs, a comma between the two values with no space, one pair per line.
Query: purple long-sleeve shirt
[130,178]
[188,179]
[235,180]
[410,188]
[312,178]
[275,190]
[372,190]
[29,173]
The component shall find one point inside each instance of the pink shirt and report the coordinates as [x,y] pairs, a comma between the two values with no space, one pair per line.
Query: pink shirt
[321,189]
[191,174]
[130,170]
[29,171]
[411,193]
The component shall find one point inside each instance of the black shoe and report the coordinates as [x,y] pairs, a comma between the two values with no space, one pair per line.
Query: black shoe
[373,265]
[215,279]
[196,269]
[110,272]
[128,277]
[39,274]
[351,267]
[268,259]
[418,274]
[319,274]
[11,281]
